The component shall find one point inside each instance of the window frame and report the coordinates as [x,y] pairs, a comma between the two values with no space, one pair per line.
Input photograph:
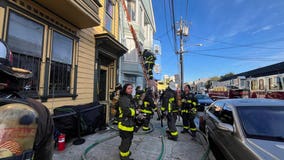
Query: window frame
[31,93]
[109,16]
[42,91]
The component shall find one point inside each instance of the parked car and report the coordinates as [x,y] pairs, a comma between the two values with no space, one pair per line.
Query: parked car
[203,100]
[250,129]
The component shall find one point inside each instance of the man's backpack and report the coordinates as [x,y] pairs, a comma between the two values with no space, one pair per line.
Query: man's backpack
[18,127]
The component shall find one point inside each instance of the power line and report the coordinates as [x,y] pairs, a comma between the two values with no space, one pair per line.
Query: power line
[235,58]
[186,11]
[236,45]
[174,25]
[167,25]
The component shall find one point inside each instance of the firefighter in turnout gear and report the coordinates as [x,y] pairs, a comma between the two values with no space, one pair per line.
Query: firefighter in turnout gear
[188,111]
[149,62]
[126,121]
[139,95]
[170,110]
[26,127]
[114,97]
[147,108]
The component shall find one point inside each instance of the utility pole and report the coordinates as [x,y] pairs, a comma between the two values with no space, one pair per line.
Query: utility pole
[182,31]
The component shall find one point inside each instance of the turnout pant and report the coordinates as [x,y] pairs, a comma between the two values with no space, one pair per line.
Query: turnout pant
[146,122]
[192,124]
[171,120]
[126,140]
[185,120]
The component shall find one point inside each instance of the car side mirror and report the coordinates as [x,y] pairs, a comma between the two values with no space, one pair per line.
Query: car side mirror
[3,50]
[6,56]
[225,127]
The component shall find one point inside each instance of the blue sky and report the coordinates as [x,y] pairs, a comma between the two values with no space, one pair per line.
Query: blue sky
[237,35]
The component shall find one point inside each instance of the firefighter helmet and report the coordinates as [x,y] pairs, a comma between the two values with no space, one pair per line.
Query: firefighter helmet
[18,126]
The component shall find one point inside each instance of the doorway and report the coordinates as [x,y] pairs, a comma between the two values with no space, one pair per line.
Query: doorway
[103,87]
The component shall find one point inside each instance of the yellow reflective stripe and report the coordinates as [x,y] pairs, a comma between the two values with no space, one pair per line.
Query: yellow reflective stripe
[146,111]
[193,129]
[163,108]
[145,128]
[171,100]
[146,104]
[124,128]
[186,127]
[188,101]
[132,112]
[120,112]
[174,133]
[124,154]
[184,111]
[194,103]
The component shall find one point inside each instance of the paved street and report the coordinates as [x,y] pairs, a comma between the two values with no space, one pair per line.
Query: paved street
[150,146]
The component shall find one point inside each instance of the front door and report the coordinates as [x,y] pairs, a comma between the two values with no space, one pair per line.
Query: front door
[103,87]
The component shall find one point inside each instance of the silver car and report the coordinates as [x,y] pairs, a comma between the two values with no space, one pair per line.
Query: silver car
[246,129]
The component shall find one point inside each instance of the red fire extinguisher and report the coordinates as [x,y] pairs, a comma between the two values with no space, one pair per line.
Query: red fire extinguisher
[61,142]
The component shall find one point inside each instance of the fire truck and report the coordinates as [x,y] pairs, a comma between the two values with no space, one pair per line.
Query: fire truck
[263,85]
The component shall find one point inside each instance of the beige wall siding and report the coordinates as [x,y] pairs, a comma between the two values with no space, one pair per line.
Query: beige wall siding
[86,66]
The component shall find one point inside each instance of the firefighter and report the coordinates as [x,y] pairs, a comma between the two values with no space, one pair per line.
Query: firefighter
[139,95]
[114,97]
[188,111]
[26,125]
[149,62]
[170,110]
[147,109]
[126,122]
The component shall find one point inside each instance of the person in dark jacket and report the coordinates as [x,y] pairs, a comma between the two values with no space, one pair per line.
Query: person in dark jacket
[30,119]
[170,110]
[126,121]
[138,98]
[147,109]
[188,111]
[149,62]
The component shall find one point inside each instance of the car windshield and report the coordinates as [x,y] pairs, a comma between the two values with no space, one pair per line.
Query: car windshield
[201,96]
[263,122]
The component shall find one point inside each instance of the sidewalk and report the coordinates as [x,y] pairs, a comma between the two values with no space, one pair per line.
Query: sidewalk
[144,146]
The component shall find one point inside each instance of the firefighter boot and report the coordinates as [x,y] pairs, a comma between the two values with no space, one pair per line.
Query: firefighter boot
[126,158]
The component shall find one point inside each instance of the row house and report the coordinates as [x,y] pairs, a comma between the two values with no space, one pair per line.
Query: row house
[71,46]
[142,18]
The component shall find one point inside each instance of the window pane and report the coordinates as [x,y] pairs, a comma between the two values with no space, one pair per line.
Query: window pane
[131,5]
[261,84]
[25,36]
[109,7]
[62,48]
[59,78]
[108,22]
[25,39]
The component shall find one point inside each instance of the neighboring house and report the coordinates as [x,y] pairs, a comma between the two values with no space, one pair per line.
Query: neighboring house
[142,17]
[158,62]
[72,47]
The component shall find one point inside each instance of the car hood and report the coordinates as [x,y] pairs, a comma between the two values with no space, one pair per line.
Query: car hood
[267,149]
[207,101]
